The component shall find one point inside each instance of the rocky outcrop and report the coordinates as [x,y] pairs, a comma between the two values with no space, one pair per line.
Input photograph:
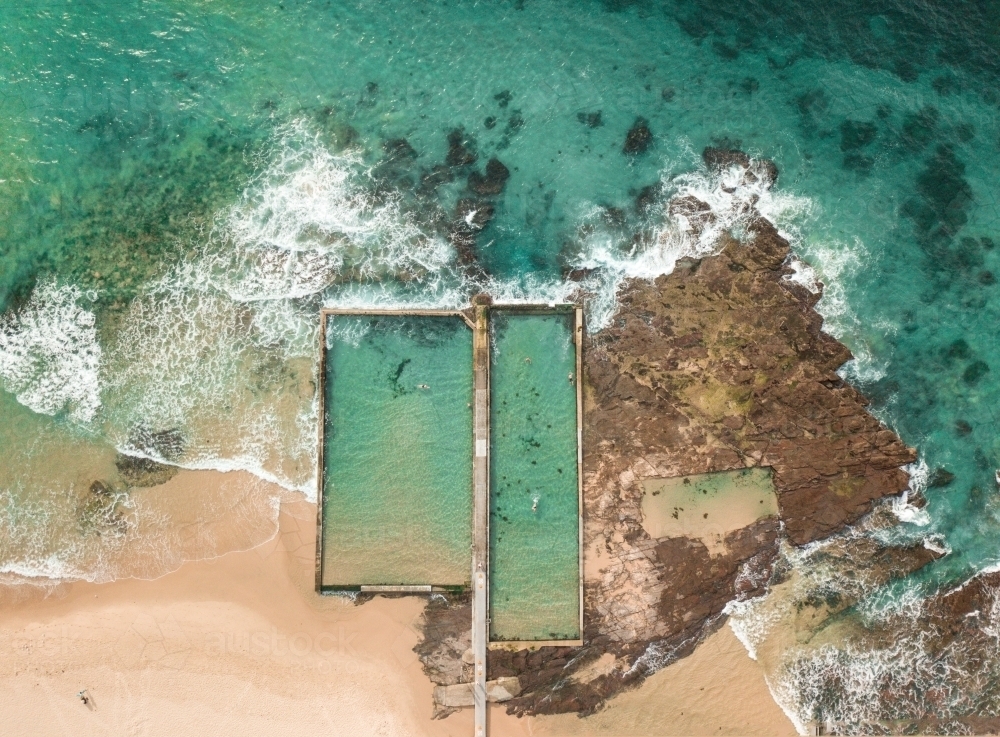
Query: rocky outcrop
[723,364]
[638,139]
[461,149]
[492,182]
[720,365]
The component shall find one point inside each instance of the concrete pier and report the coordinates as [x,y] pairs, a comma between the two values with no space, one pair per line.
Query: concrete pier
[481,514]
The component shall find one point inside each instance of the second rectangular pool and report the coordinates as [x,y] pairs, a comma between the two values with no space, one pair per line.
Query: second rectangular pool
[534,500]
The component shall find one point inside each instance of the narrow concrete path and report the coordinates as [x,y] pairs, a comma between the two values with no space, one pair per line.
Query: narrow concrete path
[481,514]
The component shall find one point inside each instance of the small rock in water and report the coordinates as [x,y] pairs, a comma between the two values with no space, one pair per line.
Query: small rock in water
[461,149]
[503,98]
[591,120]
[940,478]
[579,274]
[397,149]
[720,159]
[494,180]
[474,213]
[100,488]
[648,196]
[143,472]
[639,138]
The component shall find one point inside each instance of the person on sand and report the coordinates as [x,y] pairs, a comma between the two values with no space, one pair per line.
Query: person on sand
[84,697]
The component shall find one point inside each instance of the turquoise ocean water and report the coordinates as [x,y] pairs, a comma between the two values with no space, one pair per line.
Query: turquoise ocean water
[184,184]
[534,507]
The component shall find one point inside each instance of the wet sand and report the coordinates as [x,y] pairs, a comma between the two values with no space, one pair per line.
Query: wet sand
[240,645]
[707,506]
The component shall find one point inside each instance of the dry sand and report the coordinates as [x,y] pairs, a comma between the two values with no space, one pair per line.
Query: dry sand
[240,645]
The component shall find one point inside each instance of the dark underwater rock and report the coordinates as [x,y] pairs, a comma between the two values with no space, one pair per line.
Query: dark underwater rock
[648,197]
[477,214]
[398,149]
[974,372]
[142,472]
[461,149]
[431,180]
[940,478]
[493,182]
[639,138]
[168,444]
[855,134]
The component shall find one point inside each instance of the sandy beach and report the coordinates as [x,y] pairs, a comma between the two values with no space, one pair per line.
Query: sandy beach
[241,645]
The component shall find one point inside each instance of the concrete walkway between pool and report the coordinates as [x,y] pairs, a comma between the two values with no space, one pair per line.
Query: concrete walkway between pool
[480,514]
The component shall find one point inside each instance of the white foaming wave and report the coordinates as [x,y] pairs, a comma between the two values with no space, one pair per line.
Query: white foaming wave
[832,266]
[804,275]
[838,682]
[309,221]
[733,201]
[919,474]
[204,349]
[49,354]
[212,368]
[750,622]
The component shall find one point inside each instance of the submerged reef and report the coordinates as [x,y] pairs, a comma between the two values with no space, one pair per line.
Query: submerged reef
[720,365]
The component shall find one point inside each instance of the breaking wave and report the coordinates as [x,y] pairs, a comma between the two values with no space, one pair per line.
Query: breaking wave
[49,355]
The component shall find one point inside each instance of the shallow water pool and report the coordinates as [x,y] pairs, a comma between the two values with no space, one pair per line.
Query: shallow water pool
[534,499]
[397,468]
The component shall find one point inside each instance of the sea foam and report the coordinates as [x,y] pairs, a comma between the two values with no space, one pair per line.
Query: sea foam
[49,354]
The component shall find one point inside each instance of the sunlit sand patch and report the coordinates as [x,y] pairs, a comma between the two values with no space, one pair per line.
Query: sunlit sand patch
[707,506]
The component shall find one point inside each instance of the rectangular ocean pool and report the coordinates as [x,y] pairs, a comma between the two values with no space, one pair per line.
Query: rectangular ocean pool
[534,501]
[396,451]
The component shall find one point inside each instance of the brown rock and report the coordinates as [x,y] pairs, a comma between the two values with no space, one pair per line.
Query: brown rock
[493,182]
[639,138]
